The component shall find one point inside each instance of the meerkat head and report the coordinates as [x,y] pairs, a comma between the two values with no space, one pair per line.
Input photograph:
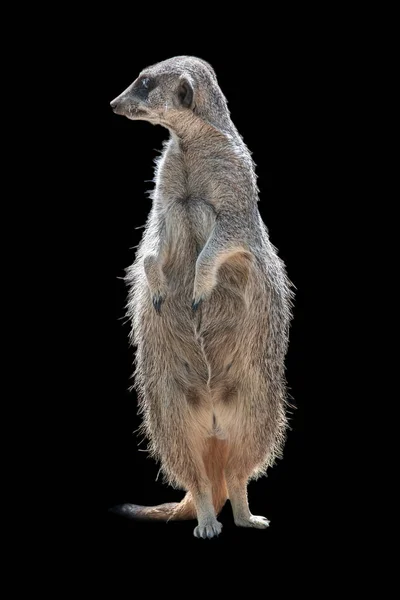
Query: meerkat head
[172,92]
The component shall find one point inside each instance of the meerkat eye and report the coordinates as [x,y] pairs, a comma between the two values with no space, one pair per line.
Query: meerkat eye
[143,87]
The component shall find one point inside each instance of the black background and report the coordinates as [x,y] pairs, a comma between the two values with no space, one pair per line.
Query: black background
[281,101]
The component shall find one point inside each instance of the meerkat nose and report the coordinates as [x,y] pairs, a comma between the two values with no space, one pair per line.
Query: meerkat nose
[114,104]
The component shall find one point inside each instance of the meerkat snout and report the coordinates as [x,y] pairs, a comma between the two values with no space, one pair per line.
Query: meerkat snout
[124,105]
[114,105]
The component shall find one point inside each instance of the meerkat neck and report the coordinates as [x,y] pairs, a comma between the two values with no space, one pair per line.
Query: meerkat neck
[192,128]
[198,133]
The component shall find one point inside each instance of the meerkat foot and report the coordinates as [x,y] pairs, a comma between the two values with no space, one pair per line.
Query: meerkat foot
[208,529]
[253,521]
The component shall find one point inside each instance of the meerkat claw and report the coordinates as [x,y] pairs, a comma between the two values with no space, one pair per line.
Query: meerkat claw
[157,301]
[196,304]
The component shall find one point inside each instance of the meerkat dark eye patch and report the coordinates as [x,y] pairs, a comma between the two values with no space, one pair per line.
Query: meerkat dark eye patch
[185,93]
[143,87]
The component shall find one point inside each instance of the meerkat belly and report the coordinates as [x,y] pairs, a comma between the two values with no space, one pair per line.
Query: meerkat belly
[202,349]
[216,328]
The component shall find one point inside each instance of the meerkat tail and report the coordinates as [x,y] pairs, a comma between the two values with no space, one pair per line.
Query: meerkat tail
[172,511]
[215,458]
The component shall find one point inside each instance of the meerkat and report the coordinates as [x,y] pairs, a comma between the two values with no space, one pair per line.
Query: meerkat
[210,304]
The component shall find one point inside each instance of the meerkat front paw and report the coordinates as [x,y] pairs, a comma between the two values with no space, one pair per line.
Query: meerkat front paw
[158,299]
[196,303]
[198,299]
[156,281]
[203,287]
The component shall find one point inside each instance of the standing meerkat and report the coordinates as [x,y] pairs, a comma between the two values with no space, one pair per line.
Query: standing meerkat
[209,302]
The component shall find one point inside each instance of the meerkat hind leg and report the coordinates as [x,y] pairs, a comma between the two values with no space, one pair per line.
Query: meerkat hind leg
[240,507]
[200,487]
[208,526]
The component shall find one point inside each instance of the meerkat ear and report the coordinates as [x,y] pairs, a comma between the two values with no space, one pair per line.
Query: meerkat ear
[185,92]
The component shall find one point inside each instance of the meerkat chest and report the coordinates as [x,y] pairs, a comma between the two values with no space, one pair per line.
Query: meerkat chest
[189,214]
[188,224]
[177,179]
